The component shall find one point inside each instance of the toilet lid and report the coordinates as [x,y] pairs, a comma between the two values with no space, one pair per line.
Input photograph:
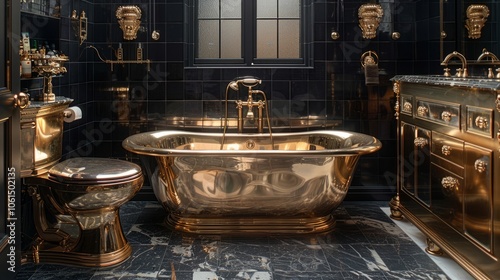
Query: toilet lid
[94,170]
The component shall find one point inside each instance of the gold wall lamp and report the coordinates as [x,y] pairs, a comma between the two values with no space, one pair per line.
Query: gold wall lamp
[129,18]
[80,25]
[476,17]
[370,16]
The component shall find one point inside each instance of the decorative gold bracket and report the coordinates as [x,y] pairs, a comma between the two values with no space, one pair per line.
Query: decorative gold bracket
[370,16]
[476,17]
[80,25]
[369,57]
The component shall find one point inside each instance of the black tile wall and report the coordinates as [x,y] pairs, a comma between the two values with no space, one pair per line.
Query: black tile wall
[333,89]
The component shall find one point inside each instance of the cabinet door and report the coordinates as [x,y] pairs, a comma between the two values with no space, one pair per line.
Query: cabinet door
[10,183]
[447,196]
[478,219]
[407,152]
[416,161]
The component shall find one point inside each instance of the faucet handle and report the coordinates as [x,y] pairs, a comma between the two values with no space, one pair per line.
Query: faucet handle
[447,72]
[498,73]
[459,72]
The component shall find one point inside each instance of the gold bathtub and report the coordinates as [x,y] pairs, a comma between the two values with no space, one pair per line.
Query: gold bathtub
[256,184]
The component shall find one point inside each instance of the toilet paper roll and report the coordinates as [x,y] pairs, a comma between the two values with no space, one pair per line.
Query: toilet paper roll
[72,114]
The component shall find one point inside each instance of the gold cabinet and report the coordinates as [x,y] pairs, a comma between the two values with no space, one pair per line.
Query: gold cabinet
[448,150]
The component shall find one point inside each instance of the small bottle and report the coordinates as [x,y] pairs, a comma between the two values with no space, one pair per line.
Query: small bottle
[119,52]
[25,66]
[139,52]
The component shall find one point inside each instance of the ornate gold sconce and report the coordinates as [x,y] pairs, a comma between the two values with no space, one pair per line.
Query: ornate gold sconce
[129,18]
[79,25]
[476,17]
[370,16]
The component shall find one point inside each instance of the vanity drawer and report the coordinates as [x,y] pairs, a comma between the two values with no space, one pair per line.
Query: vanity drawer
[449,148]
[407,104]
[479,121]
[439,112]
[447,196]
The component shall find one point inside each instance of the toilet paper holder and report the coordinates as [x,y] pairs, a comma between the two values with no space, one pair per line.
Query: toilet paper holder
[72,114]
[369,62]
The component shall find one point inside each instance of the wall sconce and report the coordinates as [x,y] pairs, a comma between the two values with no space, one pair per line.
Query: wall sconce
[80,25]
[476,17]
[370,16]
[129,18]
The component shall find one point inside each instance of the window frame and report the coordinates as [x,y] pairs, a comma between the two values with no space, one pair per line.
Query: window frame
[248,44]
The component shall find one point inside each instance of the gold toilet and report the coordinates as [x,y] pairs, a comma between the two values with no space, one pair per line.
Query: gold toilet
[75,202]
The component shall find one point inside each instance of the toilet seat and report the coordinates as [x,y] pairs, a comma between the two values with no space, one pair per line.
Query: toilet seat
[94,171]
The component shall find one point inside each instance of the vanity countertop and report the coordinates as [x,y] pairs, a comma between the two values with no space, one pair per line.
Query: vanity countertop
[439,80]
[39,108]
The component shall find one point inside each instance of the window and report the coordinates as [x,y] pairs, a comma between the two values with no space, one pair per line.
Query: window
[254,33]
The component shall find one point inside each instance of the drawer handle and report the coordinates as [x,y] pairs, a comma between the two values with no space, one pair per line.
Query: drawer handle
[407,107]
[450,185]
[480,165]
[446,116]
[446,150]
[420,142]
[422,111]
[481,122]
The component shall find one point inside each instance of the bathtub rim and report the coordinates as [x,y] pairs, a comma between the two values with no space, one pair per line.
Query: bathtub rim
[133,144]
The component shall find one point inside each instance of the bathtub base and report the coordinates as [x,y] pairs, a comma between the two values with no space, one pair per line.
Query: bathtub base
[251,225]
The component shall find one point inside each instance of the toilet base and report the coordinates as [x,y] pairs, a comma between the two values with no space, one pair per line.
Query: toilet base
[44,252]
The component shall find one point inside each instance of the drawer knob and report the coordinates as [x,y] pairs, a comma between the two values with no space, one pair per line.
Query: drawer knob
[450,185]
[480,165]
[407,107]
[446,150]
[420,142]
[481,122]
[446,116]
[422,111]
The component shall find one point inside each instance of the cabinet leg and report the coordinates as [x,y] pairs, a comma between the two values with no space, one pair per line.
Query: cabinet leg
[394,205]
[432,248]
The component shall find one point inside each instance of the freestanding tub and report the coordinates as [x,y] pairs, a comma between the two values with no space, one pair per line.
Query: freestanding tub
[252,184]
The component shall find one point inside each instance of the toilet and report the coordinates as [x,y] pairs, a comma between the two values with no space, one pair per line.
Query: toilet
[76,211]
[76,202]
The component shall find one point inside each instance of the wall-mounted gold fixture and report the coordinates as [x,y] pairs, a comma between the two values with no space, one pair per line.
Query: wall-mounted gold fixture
[129,18]
[80,25]
[370,16]
[476,17]
[119,57]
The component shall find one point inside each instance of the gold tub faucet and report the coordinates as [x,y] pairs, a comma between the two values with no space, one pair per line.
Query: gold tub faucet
[461,72]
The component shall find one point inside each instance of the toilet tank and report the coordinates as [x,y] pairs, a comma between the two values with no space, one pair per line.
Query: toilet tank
[41,135]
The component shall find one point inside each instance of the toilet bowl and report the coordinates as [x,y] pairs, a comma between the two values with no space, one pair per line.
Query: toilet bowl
[76,206]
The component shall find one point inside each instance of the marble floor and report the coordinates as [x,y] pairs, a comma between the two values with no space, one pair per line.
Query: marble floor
[366,244]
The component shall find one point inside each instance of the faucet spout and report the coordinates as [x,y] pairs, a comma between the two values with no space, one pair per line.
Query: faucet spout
[461,72]
[486,54]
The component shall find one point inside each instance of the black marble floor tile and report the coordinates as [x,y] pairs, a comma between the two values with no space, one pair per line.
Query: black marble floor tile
[365,244]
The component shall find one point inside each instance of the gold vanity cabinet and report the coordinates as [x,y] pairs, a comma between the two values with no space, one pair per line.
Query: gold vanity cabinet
[448,182]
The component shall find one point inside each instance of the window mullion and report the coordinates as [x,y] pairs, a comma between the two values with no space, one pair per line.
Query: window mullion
[248,30]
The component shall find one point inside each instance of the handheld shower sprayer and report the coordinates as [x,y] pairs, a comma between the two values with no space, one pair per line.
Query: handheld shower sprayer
[247,81]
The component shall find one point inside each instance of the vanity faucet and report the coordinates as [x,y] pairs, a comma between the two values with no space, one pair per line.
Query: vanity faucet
[461,72]
[493,58]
